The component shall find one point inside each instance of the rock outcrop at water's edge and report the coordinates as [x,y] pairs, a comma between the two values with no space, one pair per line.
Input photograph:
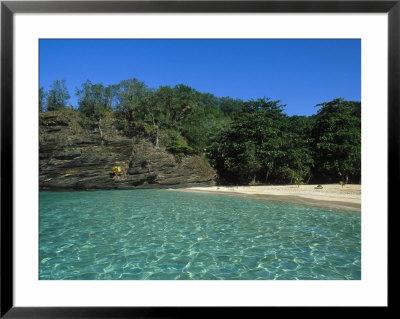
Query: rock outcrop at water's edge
[72,156]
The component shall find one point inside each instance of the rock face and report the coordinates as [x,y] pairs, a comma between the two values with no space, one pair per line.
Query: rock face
[72,156]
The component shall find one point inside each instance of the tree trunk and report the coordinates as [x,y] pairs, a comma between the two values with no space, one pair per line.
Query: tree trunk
[148,165]
[101,133]
[157,146]
[156,127]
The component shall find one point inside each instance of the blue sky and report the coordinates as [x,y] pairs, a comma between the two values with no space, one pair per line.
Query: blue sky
[300,73]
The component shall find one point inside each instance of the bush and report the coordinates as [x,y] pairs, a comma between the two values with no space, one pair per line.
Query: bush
[179,148]
[87,122]
[106,149]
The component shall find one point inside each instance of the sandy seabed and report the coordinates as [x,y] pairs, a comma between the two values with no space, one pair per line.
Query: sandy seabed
[332,195]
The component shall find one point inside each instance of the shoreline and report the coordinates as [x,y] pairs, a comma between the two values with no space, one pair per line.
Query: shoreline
[331,195]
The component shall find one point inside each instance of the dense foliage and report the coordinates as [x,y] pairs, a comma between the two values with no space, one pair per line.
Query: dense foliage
[337,140]
[250,141]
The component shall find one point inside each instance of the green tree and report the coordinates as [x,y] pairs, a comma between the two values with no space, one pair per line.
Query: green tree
[93,100]
[252,146]
[42,98]
[229,106]
[203,122]
[130,95]
[110,94]
[184,102]
[297,161]
[155,109]
[58,96]
[337,140]
[181,109]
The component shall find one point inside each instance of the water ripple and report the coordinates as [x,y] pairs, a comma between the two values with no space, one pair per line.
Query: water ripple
[163,235]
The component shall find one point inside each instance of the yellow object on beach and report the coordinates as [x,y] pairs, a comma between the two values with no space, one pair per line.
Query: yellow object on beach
[117,169]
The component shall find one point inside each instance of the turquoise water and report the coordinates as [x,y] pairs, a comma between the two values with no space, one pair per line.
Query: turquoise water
[165,234]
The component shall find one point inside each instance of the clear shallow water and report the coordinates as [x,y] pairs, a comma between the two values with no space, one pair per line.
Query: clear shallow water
[163,234]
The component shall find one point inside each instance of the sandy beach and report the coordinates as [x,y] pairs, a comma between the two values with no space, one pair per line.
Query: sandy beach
[332,195]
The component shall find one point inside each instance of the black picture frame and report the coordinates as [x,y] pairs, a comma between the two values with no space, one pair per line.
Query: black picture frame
[9,8]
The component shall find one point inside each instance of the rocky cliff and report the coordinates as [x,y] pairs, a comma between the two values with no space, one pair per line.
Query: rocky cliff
[75,155]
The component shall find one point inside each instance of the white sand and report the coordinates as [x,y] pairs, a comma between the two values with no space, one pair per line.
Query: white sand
[348,196]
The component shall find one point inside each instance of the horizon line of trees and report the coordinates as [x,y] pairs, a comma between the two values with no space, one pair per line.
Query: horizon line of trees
[245,141]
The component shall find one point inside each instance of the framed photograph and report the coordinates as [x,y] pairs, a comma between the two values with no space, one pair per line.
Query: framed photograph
[158,156]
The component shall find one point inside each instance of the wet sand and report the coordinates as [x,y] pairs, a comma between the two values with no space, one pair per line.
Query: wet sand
[331,195]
